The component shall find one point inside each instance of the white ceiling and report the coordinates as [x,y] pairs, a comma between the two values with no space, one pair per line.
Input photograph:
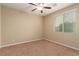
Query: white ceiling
[28,8]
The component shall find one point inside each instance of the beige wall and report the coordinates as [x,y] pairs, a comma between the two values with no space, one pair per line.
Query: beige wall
[69,39]
[0,25]
[18,26]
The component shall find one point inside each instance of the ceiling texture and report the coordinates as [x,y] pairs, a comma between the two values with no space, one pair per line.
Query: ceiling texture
[27,7]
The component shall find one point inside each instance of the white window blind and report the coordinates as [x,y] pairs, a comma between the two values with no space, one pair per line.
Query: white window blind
[66,22]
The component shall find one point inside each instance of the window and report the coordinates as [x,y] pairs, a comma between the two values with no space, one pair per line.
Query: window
[59,23]
[66,22]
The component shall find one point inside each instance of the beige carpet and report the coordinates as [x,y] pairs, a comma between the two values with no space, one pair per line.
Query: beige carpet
[38,48]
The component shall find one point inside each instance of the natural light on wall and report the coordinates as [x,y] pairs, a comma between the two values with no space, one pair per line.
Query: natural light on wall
[66,22]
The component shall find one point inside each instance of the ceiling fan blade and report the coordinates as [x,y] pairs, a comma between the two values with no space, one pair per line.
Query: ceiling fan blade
[32,4]
[47,7]
[34,9]
[41,11]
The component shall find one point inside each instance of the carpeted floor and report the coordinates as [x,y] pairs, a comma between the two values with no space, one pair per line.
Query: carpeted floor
[38,48]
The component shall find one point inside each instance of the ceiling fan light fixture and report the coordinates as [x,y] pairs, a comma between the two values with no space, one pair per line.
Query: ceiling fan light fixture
[39,8]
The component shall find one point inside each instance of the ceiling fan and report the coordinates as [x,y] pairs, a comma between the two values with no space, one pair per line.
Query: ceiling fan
[41,6]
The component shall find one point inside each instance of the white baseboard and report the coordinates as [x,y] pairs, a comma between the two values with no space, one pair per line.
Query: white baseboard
[37,40]
[63,44]
[18,43]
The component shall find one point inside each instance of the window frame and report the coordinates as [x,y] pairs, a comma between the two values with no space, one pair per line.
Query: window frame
[63,13]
